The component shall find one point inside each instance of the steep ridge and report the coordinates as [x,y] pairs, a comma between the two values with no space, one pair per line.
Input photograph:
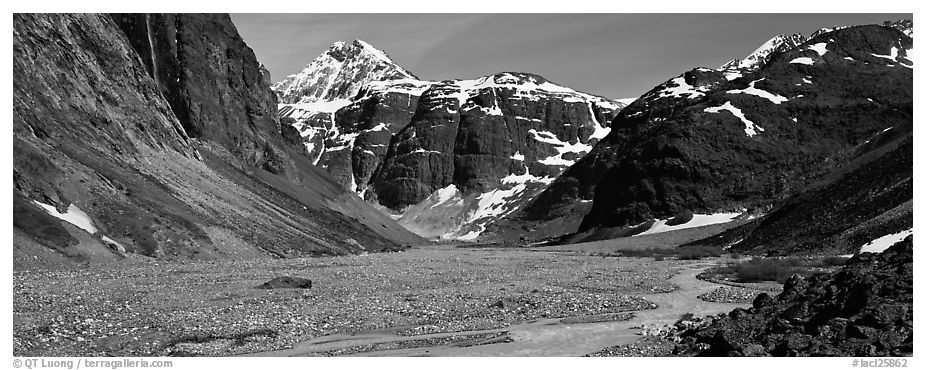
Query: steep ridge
[443,158]
[720,140]
[98,142]
[339,74]
[759,57]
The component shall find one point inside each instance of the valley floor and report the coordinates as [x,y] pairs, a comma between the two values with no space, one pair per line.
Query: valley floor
[438,301]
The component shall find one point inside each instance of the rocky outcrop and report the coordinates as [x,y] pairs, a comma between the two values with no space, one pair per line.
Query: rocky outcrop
[98,147]
[864,310]
[445,158]
[712,141]
[286,282]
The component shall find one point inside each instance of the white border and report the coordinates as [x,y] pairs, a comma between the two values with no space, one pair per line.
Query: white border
[482,6]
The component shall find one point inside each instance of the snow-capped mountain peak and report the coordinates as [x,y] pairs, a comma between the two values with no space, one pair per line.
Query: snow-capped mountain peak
[758,57]
[371,124]
[339,74]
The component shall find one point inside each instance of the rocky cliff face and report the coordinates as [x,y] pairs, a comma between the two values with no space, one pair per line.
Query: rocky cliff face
[123,155]
[444,158]
[212,81]
[712,141]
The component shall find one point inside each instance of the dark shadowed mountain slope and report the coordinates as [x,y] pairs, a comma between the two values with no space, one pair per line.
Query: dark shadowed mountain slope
[98,142]
[444,158]
[712,141]
[868,197]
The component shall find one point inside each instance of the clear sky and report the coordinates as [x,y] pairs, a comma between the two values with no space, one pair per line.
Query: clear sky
[613,55]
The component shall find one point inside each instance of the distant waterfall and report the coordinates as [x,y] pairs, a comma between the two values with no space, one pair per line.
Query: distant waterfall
[154,64]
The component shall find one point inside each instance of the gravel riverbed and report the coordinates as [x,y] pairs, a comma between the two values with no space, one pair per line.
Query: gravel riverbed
[213,308]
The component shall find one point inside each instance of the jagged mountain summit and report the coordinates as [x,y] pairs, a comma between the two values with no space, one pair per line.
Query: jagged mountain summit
[758,58]
[338,74]
[712,142]
[444,158]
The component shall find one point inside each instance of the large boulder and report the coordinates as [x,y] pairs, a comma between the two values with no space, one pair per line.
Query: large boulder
[286,282]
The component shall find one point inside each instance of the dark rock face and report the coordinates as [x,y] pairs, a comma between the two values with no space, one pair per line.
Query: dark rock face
[94,130]
[286,282]
[362,135]
[212,80]
[470,143]
[866,309]
[682,147]
[496,141]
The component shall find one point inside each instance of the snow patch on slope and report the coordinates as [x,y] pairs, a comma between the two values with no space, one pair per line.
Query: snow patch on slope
[819,48]
[445,194]
[752,90]
[497,203]
[77,217]
[895,53]
[802,60]
[682,89]
[883,243]
[561,148]
[696,221]
[751,127]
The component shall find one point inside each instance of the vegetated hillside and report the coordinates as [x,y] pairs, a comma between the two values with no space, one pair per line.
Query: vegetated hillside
[444,158]
[864,310]
[179,157]
[712,141]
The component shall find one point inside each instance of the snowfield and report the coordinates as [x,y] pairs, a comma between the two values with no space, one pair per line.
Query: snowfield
[751,127]
[883,243]
[697,220]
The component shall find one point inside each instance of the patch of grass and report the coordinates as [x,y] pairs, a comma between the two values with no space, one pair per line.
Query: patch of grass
[646,252]
[833,261]
[768,269]
[660,254]
[698,252]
